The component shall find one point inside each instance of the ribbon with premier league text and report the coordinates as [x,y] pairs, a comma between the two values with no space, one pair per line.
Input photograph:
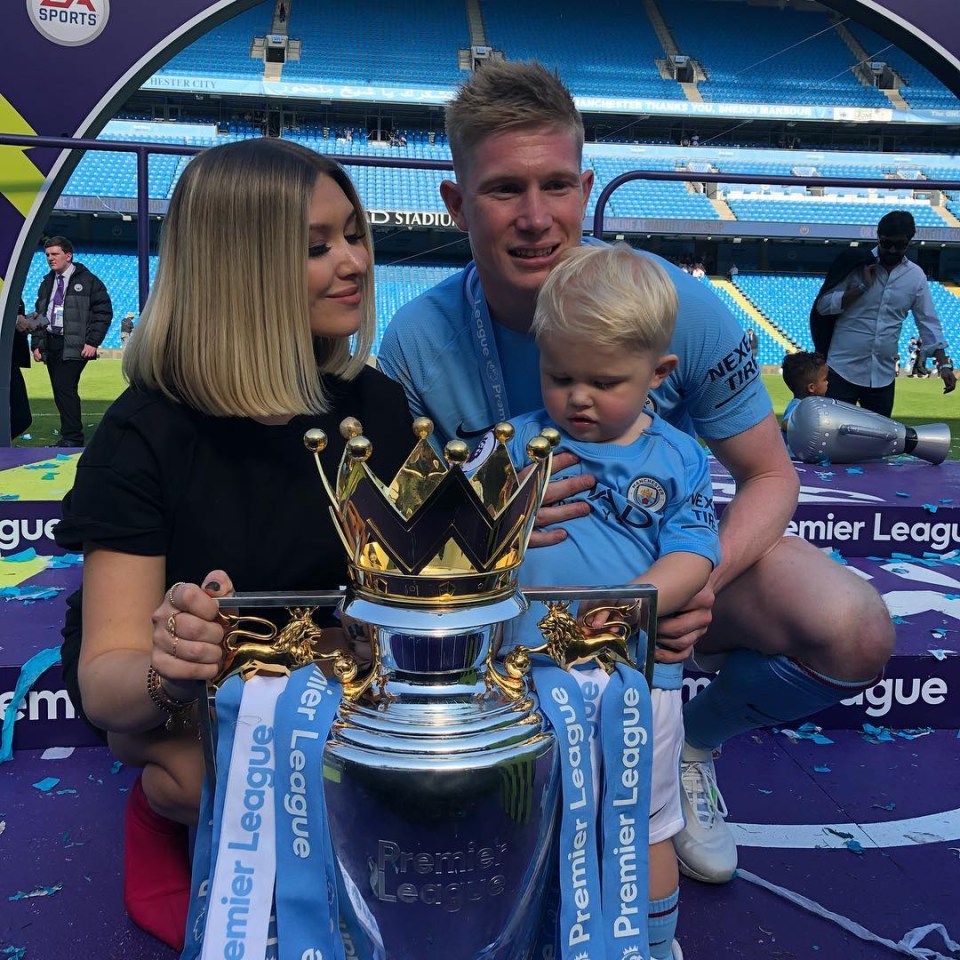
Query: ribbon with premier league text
[626,738]
[211,814]
[240,898]
[581,932]
[618,910]
[307,911]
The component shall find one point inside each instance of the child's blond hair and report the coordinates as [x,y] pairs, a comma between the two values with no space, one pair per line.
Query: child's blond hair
[611,296]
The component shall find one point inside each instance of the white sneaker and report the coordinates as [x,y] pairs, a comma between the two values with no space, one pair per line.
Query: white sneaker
[705,847]
[676,952]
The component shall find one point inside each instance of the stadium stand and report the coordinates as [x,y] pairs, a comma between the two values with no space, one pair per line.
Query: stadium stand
[762,54]
[921,89]
[600,50]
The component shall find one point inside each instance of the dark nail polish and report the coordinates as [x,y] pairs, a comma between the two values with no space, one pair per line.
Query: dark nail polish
[212,585]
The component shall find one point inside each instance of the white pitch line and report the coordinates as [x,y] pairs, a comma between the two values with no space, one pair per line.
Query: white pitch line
[932,828]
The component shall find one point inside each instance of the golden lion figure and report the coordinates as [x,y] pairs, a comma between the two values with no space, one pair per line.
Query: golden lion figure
[570,642]
[255,645]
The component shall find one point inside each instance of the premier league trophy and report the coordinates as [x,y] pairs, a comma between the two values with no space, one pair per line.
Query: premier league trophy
[424,804]
[823,429]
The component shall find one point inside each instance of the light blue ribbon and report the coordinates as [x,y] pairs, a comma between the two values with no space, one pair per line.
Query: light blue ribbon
[307,911]
[211,817]
[581,929]
[626,737]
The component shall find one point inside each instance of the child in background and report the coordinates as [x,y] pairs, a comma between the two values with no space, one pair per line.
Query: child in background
[806,376]
[603,324]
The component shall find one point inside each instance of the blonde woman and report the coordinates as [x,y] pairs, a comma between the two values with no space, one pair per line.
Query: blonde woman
[266,272]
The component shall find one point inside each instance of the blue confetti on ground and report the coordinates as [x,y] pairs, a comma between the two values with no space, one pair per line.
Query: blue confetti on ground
[902,493]
[47,783]
[854,846]
[38,892]
[67,560]
[854,469]
[28,594]
[930,507]
[24,556]
[821,769]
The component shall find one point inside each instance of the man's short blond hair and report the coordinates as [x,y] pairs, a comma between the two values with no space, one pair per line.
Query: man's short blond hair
[610,296]
[226,328]
[508,95]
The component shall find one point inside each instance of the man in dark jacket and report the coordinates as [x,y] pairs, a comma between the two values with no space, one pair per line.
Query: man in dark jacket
[77,312]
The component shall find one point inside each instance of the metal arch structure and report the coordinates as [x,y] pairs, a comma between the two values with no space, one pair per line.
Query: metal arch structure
[59,86]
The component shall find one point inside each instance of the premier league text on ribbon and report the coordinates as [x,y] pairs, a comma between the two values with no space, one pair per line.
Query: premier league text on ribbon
[295,798]
[256,796]
[634,738]
[577,857]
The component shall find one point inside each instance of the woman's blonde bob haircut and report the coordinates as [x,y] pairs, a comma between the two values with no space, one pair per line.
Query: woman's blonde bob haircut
[226,329]
[610,296]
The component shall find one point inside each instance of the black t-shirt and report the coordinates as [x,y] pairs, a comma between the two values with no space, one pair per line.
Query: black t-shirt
[161,479]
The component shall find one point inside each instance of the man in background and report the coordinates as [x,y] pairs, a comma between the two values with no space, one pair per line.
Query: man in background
[76,310]
[865,299]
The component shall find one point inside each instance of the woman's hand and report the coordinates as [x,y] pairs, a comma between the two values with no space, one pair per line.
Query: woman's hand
[187,637]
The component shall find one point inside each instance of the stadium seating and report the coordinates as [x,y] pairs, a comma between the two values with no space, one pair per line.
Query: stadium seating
[786,301]
[922,90]
[601,50]
[414,42]
[764,55]
[225,51]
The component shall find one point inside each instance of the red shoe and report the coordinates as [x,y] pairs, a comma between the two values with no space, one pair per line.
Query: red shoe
[156,878]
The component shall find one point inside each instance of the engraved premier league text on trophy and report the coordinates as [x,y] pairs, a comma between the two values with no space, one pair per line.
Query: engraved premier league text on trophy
[435,800]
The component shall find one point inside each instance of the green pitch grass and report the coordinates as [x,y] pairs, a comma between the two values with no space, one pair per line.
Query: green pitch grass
[918,401]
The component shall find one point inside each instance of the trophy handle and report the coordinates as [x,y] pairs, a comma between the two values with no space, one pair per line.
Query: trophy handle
[516,665]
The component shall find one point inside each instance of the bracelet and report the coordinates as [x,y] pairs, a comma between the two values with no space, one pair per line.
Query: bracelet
[177,709]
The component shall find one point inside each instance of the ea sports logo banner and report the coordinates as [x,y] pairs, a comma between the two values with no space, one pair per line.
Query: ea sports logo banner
[69,22]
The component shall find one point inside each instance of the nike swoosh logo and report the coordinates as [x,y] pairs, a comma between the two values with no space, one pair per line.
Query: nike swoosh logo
[472,434]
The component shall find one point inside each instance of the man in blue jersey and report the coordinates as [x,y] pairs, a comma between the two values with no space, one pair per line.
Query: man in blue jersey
[799,632]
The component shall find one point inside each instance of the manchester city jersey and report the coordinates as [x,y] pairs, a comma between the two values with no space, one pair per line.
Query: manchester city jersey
[652,497]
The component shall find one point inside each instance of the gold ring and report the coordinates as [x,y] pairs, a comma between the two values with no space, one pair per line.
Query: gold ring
[172,625]
[170,599]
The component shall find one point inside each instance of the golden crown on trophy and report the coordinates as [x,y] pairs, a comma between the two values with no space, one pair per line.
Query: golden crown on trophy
[435,534]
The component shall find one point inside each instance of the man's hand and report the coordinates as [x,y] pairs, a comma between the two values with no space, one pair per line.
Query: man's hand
[37,355]
[557,492]
[88,352]
[677,634]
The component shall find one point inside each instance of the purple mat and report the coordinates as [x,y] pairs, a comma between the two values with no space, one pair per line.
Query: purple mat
[59,836]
